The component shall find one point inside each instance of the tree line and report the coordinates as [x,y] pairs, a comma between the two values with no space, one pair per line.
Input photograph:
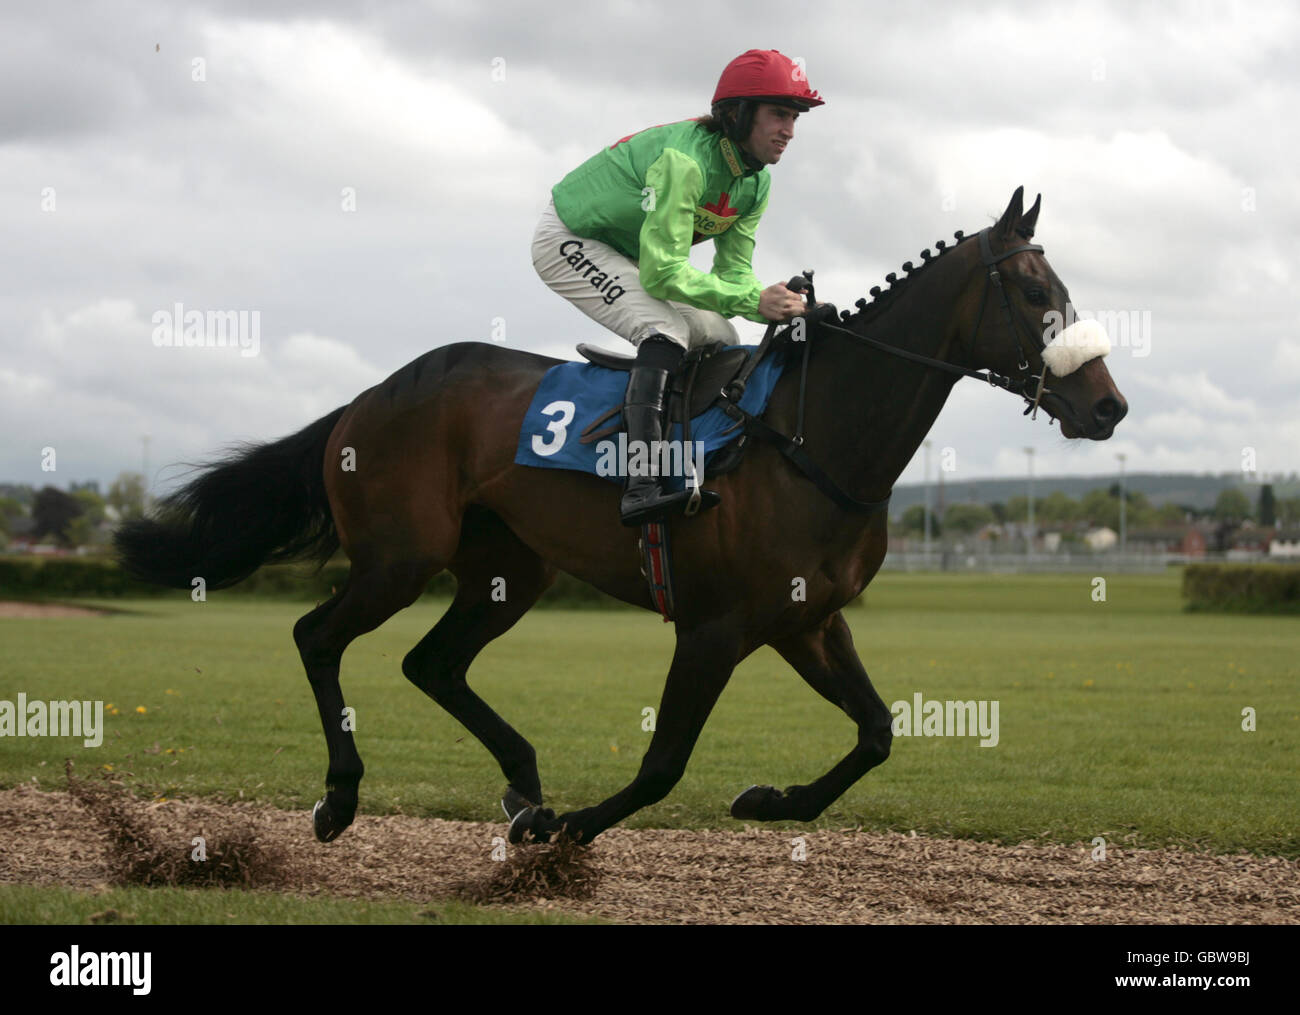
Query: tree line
[1101,508]
[73,517]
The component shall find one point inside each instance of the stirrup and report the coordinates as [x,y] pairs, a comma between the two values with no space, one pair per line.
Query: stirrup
[691,502]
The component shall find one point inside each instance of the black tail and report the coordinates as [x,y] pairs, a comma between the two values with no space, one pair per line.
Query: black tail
[258,504]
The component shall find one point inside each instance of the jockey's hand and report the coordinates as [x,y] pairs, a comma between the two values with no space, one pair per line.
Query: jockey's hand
[780,303]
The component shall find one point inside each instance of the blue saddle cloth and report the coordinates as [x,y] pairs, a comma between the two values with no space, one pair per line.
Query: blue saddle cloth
[573,395]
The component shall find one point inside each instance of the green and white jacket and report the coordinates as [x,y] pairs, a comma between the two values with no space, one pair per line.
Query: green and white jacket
[652,195]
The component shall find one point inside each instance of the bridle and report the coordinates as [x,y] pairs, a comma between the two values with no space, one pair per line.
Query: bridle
[1029,386]
[1014,320]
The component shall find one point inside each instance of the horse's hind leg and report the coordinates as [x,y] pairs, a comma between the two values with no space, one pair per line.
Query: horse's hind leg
[498,580]
[826,659]
[371,596]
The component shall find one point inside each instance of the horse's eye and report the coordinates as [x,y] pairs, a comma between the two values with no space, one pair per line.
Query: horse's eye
[1036,296]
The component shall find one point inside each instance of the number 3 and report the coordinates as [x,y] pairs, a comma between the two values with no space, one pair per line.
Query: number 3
[557,427]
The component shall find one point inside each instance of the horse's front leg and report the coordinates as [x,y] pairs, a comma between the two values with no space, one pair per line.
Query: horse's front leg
[825,657]
[702,665]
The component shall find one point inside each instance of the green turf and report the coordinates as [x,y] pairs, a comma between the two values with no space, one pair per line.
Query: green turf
[27,904]
[1120,719]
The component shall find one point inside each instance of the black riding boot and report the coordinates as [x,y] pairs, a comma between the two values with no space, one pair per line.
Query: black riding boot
[643,414]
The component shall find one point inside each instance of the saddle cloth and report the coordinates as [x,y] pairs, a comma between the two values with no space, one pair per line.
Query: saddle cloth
[573,396]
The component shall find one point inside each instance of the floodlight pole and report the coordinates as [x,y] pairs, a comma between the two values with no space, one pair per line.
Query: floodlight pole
[1029,543]
[926,446]
[1123,513]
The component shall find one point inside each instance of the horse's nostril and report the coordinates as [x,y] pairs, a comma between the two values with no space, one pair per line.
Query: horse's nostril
[1107,411]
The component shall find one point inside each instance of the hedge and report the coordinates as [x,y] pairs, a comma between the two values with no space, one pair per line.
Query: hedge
[1242,588]
[101,578]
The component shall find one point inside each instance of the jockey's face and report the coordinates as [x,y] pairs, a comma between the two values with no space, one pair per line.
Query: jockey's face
[773,129]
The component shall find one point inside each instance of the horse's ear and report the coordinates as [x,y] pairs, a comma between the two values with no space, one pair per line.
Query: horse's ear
[1011,217]
[1030,219]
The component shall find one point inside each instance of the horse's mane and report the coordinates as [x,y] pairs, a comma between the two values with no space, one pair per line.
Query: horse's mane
[881,299]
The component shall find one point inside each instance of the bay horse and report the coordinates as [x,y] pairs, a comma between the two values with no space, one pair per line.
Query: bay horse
[433,486]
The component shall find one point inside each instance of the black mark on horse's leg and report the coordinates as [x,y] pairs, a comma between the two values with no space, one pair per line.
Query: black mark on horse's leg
[438,664]
[825,657]
[370,597]
[702,665]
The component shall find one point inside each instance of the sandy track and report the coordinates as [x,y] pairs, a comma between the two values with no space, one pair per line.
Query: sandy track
[670,876]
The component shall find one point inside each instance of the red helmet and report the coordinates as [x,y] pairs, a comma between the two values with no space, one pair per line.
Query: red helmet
[768,76]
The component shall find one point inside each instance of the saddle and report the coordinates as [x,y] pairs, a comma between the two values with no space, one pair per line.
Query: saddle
[704,373]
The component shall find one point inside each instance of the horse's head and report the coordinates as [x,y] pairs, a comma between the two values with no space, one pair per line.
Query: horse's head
[1016,327]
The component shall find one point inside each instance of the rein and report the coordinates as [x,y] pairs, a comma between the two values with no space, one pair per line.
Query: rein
[792,446]
[1019,387]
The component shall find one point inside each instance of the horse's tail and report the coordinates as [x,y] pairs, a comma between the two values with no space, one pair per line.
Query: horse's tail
[260,503]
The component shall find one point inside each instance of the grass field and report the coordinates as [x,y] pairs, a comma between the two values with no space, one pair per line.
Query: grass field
[1121,719]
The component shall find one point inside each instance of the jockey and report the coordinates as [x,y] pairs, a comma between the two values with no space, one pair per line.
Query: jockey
[615,239]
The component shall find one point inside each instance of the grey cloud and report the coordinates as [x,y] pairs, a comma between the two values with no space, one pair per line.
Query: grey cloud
[227,194]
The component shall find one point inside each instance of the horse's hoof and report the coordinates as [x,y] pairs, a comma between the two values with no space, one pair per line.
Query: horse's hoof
[327,826]
[532,824]
[571,830]
[514,802]
[752,803]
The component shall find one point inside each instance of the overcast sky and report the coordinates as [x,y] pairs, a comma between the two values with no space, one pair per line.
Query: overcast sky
[1161,135]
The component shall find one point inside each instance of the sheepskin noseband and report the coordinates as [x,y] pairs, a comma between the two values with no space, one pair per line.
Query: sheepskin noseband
[1076,345]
